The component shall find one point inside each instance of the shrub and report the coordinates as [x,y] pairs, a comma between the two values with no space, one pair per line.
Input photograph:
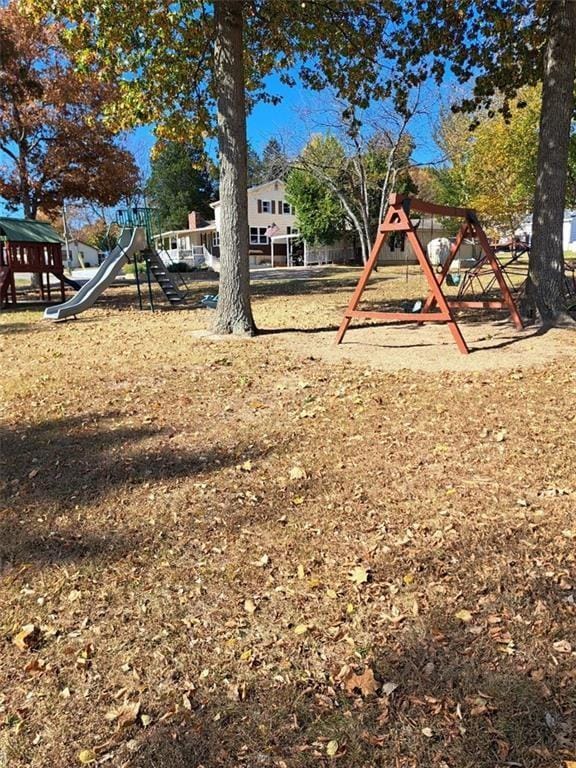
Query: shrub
[179,266]
[130,269]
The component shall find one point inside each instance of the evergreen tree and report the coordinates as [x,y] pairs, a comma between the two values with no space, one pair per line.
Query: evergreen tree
[179,183]
[255,168]
[275,164]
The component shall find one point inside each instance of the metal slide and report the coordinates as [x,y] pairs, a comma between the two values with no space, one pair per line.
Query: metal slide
[130,241]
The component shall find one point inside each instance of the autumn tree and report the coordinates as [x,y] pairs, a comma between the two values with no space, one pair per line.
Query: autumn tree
[180,181]
[500,46]
[52,136]
[194,68]
[493,167]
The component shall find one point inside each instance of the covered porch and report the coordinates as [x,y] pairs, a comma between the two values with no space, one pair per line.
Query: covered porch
[194,247]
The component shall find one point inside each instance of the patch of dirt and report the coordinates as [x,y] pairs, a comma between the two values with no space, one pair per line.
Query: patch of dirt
[496,345]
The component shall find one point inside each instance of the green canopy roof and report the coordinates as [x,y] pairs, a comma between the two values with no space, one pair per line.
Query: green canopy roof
[28,231]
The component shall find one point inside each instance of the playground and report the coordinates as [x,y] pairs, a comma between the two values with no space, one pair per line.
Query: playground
[253,552]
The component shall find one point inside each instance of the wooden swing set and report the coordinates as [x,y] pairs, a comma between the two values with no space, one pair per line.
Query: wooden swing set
[437,307]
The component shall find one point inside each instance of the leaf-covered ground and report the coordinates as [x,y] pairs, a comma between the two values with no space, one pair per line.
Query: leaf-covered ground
[250,553]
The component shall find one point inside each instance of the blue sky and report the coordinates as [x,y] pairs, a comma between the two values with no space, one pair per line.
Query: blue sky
[286,121]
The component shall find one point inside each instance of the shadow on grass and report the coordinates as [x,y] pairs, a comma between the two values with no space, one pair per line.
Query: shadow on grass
[31,543]
[53,468]
[466,696]
[9,329]
[452,706]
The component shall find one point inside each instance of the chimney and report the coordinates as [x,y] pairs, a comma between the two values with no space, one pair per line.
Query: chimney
[194,220]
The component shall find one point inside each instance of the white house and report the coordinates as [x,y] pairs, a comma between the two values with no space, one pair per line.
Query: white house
[274,238]
[397,249]
[269,216]
[568,231]
[80,255]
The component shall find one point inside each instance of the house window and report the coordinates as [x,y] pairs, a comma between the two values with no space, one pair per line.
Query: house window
[287,208]
[266,206]
[258,236]
[216,239]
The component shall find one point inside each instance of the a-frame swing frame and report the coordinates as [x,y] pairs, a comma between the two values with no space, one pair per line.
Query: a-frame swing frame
[437,308]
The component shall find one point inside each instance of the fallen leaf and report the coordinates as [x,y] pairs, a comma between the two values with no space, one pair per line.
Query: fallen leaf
[359,575]
[297,473]
[365,683]
[301,572]
[28,637]
[301,629]
[35,665]
[389,688]
[427,732]
[236,691]
[249,606]
[464,615]
[246,466]
[263,562]
[186,701]
[562,646]
[125,715]
[332,748]
[86,756]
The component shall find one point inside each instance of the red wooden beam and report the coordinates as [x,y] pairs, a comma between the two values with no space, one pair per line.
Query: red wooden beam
[422,206]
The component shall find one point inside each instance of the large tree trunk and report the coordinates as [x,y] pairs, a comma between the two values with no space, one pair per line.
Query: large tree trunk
[546,277]
[234,314]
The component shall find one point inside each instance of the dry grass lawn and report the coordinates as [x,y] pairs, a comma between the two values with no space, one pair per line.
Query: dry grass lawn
[275,554]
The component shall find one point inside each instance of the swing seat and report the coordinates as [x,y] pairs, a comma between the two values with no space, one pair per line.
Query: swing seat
[413,307]
[209,301]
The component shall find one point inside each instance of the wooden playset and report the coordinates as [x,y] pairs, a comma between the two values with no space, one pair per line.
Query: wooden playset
[32,247]
[437,307]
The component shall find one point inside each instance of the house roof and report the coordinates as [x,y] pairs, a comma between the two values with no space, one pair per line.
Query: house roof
[210,227]
[254,189]
[28,231]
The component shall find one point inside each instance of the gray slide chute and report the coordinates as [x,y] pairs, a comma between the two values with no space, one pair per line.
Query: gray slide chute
[130,242]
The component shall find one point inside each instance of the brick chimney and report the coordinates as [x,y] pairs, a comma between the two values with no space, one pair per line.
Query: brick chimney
[195,220]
